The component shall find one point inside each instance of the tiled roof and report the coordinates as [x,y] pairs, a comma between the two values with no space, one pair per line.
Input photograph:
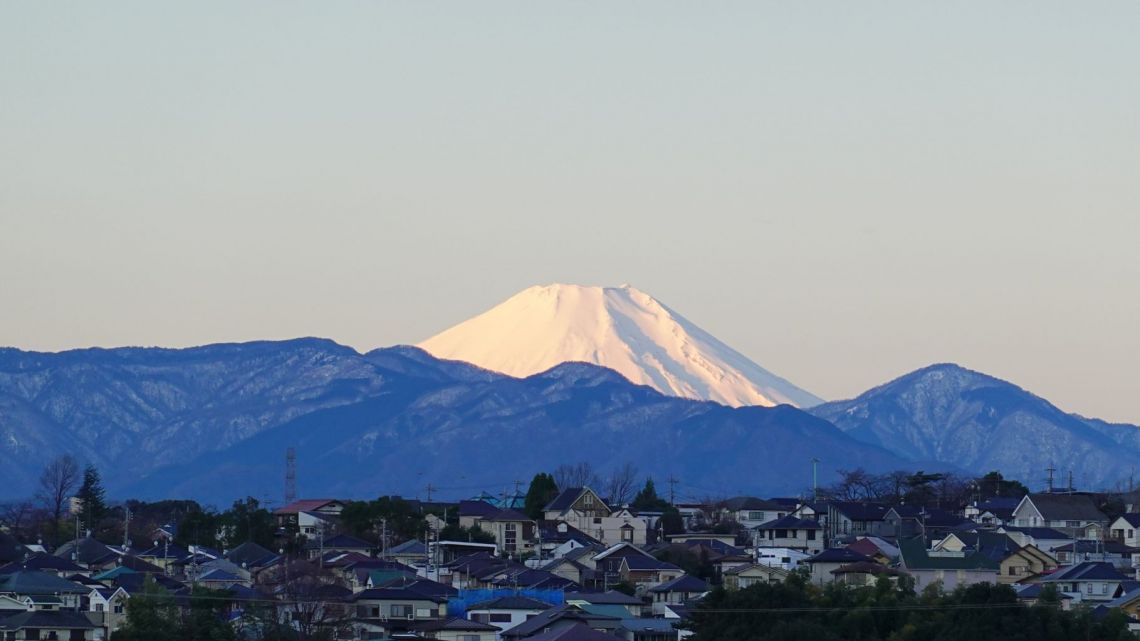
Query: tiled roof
[1088,571]
[683,583]
[511,603]
[455,624]
[789,523]
[564,500]
[36,582]
[860,511]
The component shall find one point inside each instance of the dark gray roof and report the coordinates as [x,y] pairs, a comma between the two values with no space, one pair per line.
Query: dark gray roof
[561,613]
[59,619]
[577,632]
[860,511]
[683,583]
[1089,571]
[453,623]
[838,555]
[409,547]
[738,503]
[35,582]
[613,597]
[1038,532]
[790,523]
[250,554]
[1132,519]
[564,499]
[511,603]
[1067,507]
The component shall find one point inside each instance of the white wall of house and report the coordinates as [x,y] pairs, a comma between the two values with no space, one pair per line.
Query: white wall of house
[502,619]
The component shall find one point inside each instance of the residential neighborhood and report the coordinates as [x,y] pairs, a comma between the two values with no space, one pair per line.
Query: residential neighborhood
[556,563]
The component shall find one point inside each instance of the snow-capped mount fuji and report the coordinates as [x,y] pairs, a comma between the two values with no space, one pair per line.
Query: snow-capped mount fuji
[621,328]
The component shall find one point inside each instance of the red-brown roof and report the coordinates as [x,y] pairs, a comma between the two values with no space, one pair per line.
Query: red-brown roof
[303,505]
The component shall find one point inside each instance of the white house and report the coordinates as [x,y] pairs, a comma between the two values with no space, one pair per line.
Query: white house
[1072,514]
[790,532]
[506,612]
[1126,529]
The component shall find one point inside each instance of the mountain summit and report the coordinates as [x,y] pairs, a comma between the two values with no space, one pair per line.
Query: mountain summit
[621,328]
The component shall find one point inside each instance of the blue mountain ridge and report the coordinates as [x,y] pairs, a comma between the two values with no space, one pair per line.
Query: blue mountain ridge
[213,423]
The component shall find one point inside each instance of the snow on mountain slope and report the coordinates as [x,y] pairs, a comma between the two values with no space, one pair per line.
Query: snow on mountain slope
[621,328]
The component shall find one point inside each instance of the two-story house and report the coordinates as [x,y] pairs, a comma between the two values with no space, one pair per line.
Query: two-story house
[1072,514]
[1090,581]
[750,511]
[790,532]
[1126,529]
[582,508]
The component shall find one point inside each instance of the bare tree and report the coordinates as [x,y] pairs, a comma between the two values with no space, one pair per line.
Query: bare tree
[57,483]
[620,484]
[16,515]
[309,601]
[578,475]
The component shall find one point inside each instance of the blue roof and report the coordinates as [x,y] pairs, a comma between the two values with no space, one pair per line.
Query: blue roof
[683,583]
[1088,571]
[790,522]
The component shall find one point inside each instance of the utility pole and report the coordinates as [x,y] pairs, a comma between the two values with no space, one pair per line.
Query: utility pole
[814,479]
[384,538]
[672,491]
[1070,482]
[430,488]
[126,528]
[290,475]
[1050,470]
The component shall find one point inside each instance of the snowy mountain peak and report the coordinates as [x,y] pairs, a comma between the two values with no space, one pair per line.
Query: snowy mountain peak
[621,328]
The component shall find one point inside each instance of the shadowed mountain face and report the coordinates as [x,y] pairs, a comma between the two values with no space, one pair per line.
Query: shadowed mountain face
[953,415]
[213,423]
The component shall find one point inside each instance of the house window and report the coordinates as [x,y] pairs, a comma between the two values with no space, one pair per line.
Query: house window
[781,534]
[98,607]
[755,516]
[597,520]
[627,534]
[1072,524]
[510,541]
[31,633]
[469,637]
[811,535]
[588,500]
[118,607]
[501,617]
[401,610]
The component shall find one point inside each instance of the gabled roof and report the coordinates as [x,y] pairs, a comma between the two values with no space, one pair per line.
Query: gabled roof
[1066,507]
[789,522]
[566,499]
[1132,519]
[916,557]
[26,582]
[342,542]
[220,576]
[1094,547]
[860,511]
[41,561]
[394,594]
[511,603]
[409,548]
[837,555]
[625,549]
[1046,533]
[866,567]
[739,503]
[87,550]
[476,508]
[453,624]
[613,597]
[561,613]
[304,505]
[577,632]
[1088,571]
[645,564]
[683,583]
[250,555]
[57,619]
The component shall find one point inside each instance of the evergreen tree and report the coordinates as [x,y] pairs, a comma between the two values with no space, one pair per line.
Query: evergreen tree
[542,491]
[647,499]
[91,494]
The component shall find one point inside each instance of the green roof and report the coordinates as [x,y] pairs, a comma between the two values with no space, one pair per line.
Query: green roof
[915,557]
[113,573]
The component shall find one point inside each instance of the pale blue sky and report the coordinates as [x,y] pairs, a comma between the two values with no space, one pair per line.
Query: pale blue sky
[843,191]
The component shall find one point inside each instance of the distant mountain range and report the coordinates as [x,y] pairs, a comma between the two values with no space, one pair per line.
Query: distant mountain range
[621,328]
[214,422]
[954,415]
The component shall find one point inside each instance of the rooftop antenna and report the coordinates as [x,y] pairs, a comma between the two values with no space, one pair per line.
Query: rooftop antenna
[290,475]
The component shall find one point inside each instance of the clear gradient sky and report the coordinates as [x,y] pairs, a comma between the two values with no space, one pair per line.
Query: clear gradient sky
[843,191]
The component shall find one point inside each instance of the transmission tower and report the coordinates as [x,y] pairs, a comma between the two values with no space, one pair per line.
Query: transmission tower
[290,475]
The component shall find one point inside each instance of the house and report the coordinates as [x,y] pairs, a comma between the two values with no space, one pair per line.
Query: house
[790,532]
[338,543]
[907,521]
[863,573]
[855,518]
[506,612]
[1044,538]
[62,625]
[655,629]
[1126,529]
[573,632]
[107,607]
[412,552]
[784,558]
[1026,561]
[582,508]
[750,511]
[402,605]
[1071,514]
[1114,552]
[560,618]
[318,514]
[950,569]
[677,591]
[577,565]
[993,511]
[455,629]
[879,550]
[514,531]
[1090,581]
[746,576]
[576,502]
[631,604]
[832,559]
[37,586]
